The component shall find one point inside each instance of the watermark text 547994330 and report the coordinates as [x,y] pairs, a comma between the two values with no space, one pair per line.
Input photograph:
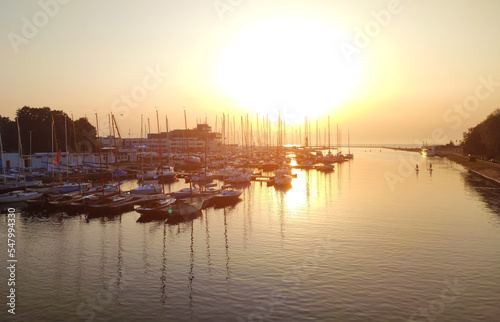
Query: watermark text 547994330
[122,105]
[11,260]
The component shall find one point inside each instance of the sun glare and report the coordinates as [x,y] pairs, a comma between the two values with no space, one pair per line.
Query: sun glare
[289,65]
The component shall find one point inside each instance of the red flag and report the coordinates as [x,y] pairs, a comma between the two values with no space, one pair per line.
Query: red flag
[159,157]
[57,158]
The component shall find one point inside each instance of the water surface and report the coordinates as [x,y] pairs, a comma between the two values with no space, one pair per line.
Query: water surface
[372,241]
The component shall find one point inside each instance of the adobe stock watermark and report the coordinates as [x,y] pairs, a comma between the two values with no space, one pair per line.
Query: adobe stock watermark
[222,7]
[289,113]
[372,29]
[30,27]
[263,309]
[484,89]
[138,94]
[437,306]
[454,117]
[102,298]
[406,168]
[86,145]
[299,273]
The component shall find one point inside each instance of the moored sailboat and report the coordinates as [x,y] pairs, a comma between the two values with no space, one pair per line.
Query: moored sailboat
[85,201]
[349,155]
[155,207]
[177,209]
[228,195]
[326,167]
[146,189]
[16,196]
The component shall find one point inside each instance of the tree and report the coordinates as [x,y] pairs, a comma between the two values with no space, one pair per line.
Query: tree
[86,135]
[8,130]
[472,143]
[484,138]
[39,122]
[490,134]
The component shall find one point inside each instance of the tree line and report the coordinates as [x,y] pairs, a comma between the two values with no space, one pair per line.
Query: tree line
[39,121]
[484,138]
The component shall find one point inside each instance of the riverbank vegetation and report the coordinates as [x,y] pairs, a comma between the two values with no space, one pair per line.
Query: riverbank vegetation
[483,140]
[38,121]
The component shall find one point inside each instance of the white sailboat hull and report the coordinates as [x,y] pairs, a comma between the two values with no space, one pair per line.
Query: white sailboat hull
[146,190]
[19,196]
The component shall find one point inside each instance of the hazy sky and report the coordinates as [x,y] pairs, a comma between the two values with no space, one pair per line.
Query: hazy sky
[390,71]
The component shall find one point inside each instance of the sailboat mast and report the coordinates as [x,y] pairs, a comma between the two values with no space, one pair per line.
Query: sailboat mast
[52,143]
[206,143]
[3,161]
[168,141]
[278,157]
[300,135]
[76,151]
[99,148]
[258,131]
[305,132]
[317,134]
[228,129]
[283,132]
[116,152]
[328,134]
[267,133]
[187,146]
[20,147]
[242,132]
[159,154]
[66,146]
[283,136]
[142,152]
[348,142]
[223,147]
[309,140]
[251,139]
[338,139]
[57,149]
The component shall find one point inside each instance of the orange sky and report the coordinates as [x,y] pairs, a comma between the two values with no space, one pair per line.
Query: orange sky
[390,71]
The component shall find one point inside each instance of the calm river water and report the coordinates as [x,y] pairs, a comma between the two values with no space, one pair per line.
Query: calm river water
[371,241]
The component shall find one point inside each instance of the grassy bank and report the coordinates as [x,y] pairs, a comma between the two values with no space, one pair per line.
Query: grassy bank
[488,171]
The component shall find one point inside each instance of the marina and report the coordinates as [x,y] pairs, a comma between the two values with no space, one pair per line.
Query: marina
[250,161]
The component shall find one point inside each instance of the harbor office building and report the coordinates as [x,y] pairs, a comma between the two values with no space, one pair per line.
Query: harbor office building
[176,141]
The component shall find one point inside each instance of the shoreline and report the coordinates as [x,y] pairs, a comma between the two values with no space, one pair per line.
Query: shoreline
[487,171]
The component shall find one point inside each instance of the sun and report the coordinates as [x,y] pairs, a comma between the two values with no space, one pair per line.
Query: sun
[290,66]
